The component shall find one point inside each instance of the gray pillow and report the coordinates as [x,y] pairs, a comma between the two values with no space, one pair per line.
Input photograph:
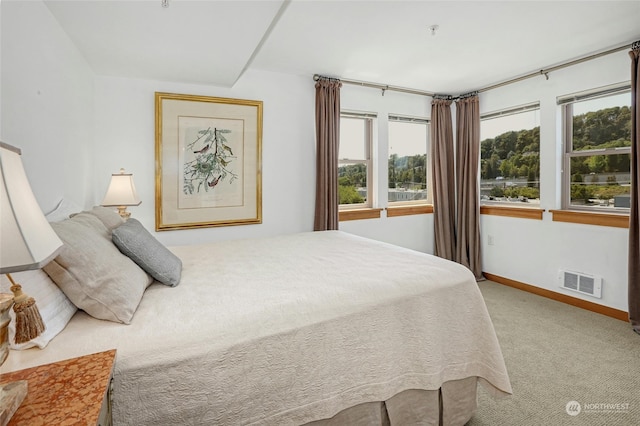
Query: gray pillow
[140,246]
[93,273]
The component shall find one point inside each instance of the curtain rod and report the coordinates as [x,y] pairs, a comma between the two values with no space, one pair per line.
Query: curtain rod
[383,87]
[544,71]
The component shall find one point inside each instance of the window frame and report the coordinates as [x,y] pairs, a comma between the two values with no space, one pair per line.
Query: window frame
[490,205]
[369,119]
[402,118]
[565,103]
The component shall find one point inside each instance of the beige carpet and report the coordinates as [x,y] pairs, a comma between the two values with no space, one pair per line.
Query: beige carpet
[556,354]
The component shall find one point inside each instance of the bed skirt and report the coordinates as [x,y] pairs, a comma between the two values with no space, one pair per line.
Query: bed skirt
[453,404]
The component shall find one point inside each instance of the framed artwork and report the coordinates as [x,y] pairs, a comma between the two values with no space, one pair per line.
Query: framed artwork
[208,161]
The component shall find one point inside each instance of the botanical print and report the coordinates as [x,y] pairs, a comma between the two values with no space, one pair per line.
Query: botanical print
[211,160]
[208,161]
[211,164]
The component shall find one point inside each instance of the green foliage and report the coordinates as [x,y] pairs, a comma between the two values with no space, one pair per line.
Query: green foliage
[608,192]
[602,129]
[531,178]
[522,191]
[351,177]
[497,191]
[514,154]
[581,192]
[393,159]
[527,192]
[605,128]
[349,195]
[408,172]
[354,174]
[211,163]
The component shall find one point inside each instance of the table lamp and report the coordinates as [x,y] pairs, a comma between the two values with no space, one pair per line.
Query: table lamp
[121,193]
[27,241]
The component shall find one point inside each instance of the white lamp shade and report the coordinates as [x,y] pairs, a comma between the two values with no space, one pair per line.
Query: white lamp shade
[121,191]
[27,241]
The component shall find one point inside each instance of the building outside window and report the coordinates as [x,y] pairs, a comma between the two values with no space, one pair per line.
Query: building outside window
[408,166]
[597,148]
[355,183]
[510,156]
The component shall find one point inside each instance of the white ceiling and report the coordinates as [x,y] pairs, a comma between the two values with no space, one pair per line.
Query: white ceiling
[478,43]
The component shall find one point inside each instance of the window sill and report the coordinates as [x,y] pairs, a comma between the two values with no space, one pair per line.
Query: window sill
[591,218]
[357,214]
[519,212]
[395,211]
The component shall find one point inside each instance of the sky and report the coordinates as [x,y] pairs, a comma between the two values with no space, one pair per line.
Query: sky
[407,138]
[404,138]
[496,126]
[600,103]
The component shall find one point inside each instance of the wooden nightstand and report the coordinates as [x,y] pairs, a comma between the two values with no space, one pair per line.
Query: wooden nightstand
[72,392]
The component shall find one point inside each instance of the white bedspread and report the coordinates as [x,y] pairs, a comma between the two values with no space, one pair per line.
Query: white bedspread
[288,330]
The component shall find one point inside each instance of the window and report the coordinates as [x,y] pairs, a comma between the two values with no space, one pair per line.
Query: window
[510,157]
[597,148]
[408,165]
[354,160]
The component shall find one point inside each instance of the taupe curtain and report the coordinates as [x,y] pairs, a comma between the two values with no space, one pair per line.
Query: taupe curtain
[634,213]
[467,196]
[327,143]
[444,203]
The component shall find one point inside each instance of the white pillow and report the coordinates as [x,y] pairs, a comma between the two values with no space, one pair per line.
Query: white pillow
[55,308]
[63,211]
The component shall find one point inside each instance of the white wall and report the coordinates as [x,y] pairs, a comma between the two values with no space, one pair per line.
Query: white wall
[47,103]
[415,232]
[125,137]
[532,251]
[76,128]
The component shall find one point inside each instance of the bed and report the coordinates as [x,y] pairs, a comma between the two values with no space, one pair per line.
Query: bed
[320,328]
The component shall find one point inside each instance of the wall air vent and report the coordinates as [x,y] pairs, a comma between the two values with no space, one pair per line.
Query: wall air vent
[581,282]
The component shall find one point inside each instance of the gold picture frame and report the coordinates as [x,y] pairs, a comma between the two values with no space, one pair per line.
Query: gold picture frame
[208,161]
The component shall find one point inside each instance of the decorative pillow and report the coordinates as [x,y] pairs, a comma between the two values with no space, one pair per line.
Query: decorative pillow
[93,273]
[109,217]
[55,308]
[136,242]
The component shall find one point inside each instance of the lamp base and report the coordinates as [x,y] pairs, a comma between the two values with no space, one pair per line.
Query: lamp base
[11,396]
[122,210]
